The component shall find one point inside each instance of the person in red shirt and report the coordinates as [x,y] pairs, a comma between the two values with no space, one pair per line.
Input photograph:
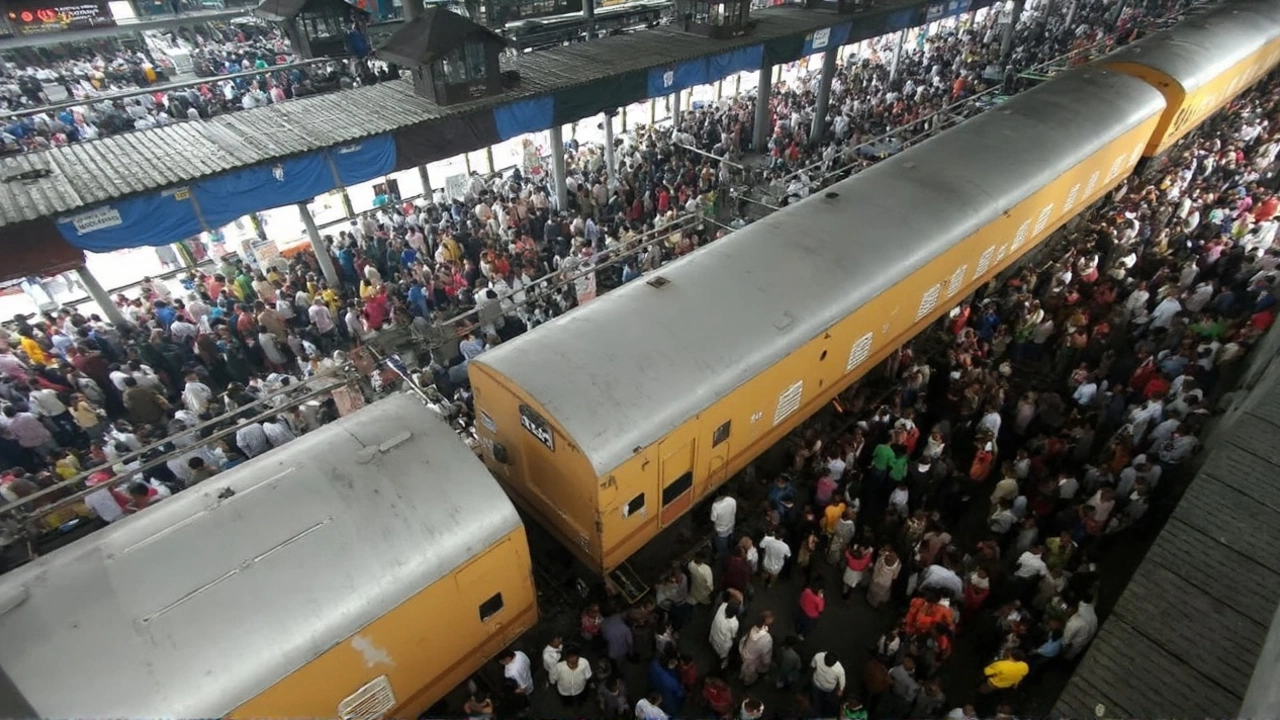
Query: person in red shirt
[812,603]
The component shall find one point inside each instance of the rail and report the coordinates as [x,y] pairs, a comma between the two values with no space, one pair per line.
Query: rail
[166,87]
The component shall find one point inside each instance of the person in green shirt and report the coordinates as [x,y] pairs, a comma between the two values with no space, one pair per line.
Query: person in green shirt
[244,283]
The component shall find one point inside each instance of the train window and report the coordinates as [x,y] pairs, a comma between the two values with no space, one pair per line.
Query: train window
[1043,220]
[721,434]
[1115,168]
[957,280]
[1093,183]
[928,301]
[984,262]
[633,507]
[1071,198]
[860,351]
[1021,237]
[673,491]
[490,607]
[788,402]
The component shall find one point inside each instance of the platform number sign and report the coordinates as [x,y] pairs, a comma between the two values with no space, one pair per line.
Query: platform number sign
[821,38]
[957,280]
[860,352]
[1021,236]
[929,300]
[538,427]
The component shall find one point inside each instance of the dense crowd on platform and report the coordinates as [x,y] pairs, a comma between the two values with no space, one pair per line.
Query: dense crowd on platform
[974,501]
[89,77]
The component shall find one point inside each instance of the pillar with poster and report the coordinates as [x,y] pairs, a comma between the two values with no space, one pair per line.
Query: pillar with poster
[531,160]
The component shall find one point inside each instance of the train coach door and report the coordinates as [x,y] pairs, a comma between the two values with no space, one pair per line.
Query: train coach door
[717,462]
[677,479]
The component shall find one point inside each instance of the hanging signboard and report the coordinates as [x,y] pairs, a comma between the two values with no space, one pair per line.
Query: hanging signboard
[585,286]
[36,18]
[455,187]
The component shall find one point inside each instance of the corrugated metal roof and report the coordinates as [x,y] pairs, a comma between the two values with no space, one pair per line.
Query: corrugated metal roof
[85,174]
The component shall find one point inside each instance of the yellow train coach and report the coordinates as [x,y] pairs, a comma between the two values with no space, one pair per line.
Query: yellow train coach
[609,423]
[1202,64]
[364,569]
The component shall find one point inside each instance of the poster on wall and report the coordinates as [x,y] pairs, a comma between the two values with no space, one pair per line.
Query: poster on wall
[36,18]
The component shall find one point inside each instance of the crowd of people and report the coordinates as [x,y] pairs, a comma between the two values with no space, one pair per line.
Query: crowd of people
[242,49]
[974,502]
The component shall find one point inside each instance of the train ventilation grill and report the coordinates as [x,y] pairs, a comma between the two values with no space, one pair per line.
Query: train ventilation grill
[371,702]
[658,282]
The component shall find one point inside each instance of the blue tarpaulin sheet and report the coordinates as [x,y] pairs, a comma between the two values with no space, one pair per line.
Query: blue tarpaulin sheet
[171,215]
[155,219]
[701,71]
[364,160]
[223,198]
[526,116]
[820,40]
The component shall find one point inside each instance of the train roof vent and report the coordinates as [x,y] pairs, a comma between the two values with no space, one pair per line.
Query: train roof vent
[371,702]
[658,281]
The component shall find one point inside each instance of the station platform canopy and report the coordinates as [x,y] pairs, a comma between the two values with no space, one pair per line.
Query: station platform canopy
[158,186]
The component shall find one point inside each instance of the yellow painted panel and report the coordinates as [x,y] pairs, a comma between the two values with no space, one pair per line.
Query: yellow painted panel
[426,646]
[1186,111]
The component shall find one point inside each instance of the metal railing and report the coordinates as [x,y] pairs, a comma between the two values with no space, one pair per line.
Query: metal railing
[952,115]
[166,87]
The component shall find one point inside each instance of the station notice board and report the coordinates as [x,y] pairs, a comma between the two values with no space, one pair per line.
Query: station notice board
[36,18]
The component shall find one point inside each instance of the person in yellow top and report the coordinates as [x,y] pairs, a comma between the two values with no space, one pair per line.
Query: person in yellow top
[1005,673]
[331,298]
[832,514]
[35,353]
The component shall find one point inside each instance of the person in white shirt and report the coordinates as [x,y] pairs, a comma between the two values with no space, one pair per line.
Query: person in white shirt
[551,656]
[517,668]
[1079,630]
[1085,394]
[648,707]
[723,513]
[1031,565]
[828,683]
[321,317]
[775,553]
[196,396]
[570,679]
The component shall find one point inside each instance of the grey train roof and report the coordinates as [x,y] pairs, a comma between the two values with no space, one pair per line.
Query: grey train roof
[621,372]
[1195,51]
[196,605]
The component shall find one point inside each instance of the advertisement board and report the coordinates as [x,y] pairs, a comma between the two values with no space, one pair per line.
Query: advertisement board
[35,18]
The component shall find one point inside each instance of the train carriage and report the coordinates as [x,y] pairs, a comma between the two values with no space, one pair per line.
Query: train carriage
[1202,64]
[612,421]
[369,566]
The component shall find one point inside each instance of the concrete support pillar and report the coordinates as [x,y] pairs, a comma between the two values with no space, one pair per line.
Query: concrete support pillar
[622,119]
[1071,12]
[347,207]
[824,95]
[897,54]
[425,177]
[100,296]
[610,155]
[557,168]
[719,89]
[653,112]
[589,16]
[760,136]
[737,84]
[1006,43]
[323,257]
[488,155]
[673,103]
